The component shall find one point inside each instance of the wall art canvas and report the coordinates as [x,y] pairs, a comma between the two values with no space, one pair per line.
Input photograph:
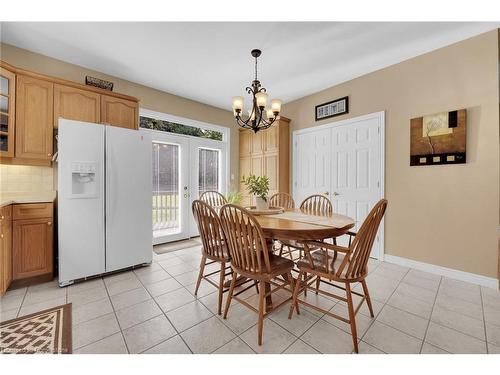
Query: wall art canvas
[439,138]
[334,108]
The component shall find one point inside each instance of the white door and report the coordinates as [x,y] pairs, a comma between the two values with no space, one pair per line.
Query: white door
[81,200]
[183,168]
[313,164]
[128,204]
[355,167]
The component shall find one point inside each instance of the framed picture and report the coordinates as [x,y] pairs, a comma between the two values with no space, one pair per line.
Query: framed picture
[439,138]
[334,108]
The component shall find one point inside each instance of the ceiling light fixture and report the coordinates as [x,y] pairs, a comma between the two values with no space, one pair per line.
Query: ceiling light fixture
[258,116]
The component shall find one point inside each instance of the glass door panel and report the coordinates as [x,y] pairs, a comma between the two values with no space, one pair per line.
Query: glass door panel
[169,195]
[208,170]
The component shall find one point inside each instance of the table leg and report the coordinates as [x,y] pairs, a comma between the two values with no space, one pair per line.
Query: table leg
[269,299]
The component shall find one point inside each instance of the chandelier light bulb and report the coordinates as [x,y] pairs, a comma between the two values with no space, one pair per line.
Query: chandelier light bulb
[237,103]
[261,99]
[276,105]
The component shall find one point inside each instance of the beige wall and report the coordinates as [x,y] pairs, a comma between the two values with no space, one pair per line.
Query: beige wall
[149,98]
[444,215]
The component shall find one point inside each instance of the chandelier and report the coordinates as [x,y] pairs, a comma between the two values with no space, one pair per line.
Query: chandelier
[258,116]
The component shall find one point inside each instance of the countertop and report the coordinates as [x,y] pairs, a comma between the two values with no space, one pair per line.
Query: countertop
[27,197]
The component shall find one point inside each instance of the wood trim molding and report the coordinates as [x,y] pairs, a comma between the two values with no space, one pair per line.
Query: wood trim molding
[61,81]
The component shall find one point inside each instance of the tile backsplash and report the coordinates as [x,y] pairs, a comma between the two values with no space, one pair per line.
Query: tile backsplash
[22,178]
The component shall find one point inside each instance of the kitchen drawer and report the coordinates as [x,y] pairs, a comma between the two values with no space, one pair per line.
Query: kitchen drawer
[32,211]
[6,214]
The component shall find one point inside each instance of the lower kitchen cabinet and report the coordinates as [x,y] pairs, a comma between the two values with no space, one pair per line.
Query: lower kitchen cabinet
[5,248]
[33,241]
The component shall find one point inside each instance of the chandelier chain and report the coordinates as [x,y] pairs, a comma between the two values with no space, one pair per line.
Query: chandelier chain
[256,68]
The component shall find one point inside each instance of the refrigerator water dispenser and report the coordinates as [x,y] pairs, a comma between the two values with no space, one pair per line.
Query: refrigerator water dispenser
[83,180]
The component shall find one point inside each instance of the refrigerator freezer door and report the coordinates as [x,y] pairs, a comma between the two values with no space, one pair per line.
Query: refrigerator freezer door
[128,198]
[80,201]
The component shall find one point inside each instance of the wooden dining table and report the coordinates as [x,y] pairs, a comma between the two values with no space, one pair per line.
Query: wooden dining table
[296,224]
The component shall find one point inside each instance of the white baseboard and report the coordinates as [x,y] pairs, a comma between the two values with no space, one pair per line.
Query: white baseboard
[443,271]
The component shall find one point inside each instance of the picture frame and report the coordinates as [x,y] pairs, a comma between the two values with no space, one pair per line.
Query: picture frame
[332,108]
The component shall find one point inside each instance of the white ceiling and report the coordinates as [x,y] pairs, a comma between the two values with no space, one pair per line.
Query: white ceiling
[210,61]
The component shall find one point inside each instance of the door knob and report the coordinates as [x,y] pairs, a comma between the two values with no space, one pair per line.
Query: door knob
[335,194]
[326,193]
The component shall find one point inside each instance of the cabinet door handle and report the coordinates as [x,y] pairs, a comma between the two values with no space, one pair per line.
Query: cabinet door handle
[49,223]
[1,235]
[3,217]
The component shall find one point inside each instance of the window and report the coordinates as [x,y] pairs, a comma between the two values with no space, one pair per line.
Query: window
[172,127]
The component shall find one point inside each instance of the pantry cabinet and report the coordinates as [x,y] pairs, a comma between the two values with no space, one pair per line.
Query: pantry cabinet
[266,153]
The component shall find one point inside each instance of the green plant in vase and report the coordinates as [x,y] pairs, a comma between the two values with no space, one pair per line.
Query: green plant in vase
[234,197]
[258,186]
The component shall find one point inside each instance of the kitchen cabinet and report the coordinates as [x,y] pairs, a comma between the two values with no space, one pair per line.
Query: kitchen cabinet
[5,248]
[34,118]
[7,111]
[31,105]
[266,153]
[76,104]
[33,237]
[119,112]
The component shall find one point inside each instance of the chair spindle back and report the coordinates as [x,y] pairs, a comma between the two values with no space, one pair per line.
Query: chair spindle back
[213,198]
[211,232]
[317,205]
[284,200]
[246,242]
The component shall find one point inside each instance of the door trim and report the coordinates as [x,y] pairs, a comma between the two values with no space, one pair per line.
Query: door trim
[380,116]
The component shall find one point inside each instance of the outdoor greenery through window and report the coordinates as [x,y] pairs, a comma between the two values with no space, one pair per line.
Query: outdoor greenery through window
[172,127]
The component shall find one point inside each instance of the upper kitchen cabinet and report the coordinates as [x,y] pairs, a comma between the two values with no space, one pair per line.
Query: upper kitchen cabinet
[119,112]
[76,104]
[7,112]
[34,118]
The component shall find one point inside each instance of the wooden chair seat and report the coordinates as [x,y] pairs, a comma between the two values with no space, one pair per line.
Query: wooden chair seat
[322,261]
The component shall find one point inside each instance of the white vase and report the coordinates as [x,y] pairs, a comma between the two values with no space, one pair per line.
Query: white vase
[261,204]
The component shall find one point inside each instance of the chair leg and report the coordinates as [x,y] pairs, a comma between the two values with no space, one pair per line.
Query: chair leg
[230,294]
[318,280]
[221,286]
[295,295]
[352,317]
[200,275]
[367,295]
[262,294]
[305,282]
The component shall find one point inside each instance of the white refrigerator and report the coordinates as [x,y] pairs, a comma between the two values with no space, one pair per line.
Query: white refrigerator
[104,199]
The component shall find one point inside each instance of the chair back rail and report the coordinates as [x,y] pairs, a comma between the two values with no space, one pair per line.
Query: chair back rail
[246,242]
[284,200]
[354,263]
[317,205]
[213,198]
[362,244]
[211,231]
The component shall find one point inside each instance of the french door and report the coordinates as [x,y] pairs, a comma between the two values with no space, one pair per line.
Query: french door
[343,161]
[183,168]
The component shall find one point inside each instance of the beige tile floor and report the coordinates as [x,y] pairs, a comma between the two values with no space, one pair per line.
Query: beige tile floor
[153,310]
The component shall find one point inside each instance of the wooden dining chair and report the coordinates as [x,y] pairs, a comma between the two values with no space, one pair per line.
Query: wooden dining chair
[214,246]
[213,198]
[251,258]
[317,205]
[345,265]
[283,200]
